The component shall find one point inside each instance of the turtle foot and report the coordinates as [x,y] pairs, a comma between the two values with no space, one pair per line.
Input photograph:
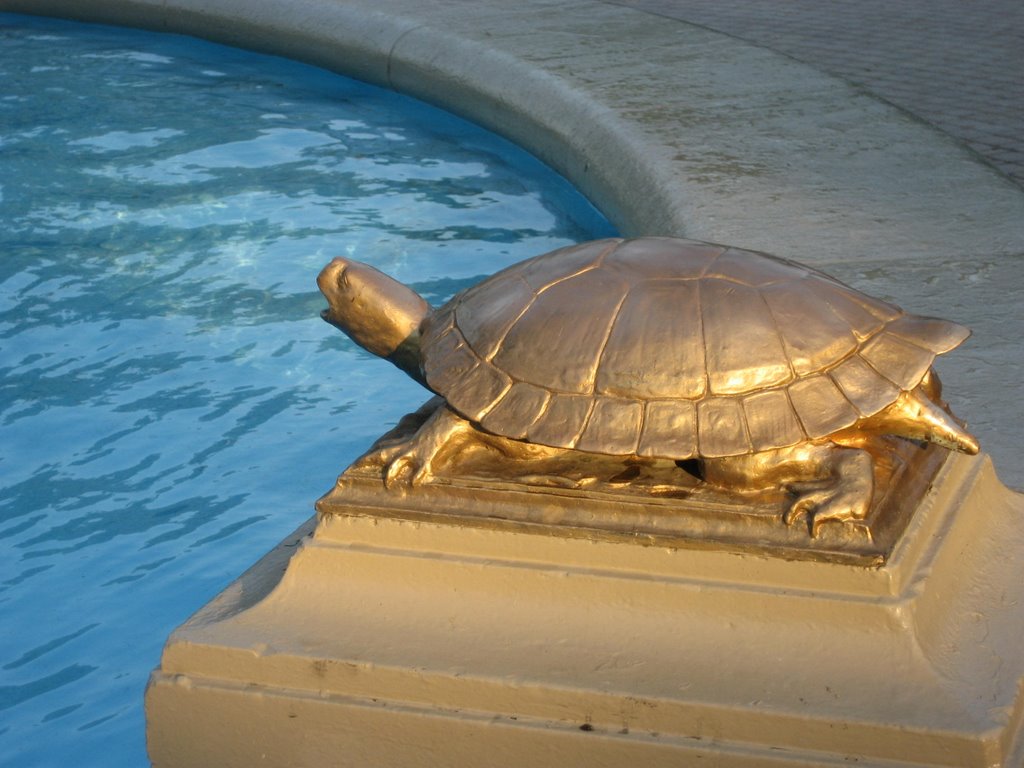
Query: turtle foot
[396,460]
[407,470]
[845,498]
[414,461]
[830,482]
[823,505]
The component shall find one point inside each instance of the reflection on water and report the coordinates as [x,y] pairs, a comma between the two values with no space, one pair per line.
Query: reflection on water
[170,402]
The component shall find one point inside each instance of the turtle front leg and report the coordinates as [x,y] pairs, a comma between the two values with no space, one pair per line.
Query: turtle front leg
[442,440]
[413,461]
[831,482]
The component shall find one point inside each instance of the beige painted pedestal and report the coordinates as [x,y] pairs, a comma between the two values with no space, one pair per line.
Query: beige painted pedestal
[378,641]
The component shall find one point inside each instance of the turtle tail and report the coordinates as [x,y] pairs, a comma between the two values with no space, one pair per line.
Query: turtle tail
[917,416]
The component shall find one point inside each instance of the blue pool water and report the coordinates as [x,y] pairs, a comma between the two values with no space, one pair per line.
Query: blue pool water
[170,402]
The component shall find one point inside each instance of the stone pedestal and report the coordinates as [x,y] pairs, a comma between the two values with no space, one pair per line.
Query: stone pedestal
[382,636]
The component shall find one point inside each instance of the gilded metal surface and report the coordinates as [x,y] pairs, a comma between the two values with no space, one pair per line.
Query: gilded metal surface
[771,373]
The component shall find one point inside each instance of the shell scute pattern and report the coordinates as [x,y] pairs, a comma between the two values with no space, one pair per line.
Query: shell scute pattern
[821,406]
[744,350]
[669,428]
[653,350]
[771,420]
[654,258]
[562,422]
[517,410]
[499,304]
[937,335]
[735,264]
[721,428]
[866,389]
[612,426]
[863,318]
[546,271]
[672,349]
[576,317]
[809,330]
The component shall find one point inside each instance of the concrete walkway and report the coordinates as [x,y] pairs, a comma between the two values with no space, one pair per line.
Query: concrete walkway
[673,128]
[958,66]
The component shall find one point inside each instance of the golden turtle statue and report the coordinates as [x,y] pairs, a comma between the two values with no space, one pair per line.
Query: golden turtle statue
[769,372]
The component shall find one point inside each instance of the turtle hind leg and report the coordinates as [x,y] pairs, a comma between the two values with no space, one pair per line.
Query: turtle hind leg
[844,495]
[830,482]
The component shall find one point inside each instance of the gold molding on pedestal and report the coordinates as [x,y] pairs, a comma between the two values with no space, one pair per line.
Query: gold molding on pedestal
[649,502]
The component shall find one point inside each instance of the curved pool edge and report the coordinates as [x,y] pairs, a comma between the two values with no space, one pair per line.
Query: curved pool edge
[689,132]
[674,129]
[579,137]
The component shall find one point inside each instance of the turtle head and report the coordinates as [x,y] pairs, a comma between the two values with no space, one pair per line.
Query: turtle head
[376,311]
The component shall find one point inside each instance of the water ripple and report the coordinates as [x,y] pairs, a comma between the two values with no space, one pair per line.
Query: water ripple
[170,403]
[12,695]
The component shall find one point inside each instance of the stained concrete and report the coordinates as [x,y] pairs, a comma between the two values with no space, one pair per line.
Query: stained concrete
[675,129]
[957,66]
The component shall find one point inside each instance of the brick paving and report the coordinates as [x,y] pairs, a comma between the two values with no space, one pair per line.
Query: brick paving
[956,65]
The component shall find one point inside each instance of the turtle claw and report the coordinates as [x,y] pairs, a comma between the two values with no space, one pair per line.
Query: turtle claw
[411,462]
[407,470]
[846,500]
[396,474]
[402,462]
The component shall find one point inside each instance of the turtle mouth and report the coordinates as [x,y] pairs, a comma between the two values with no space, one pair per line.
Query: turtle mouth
[328,316]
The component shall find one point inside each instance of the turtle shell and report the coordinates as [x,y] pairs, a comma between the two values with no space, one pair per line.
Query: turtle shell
[672,348]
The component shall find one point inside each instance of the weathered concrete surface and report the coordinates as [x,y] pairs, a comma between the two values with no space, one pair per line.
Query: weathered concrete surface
[958,66]
[675,129]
